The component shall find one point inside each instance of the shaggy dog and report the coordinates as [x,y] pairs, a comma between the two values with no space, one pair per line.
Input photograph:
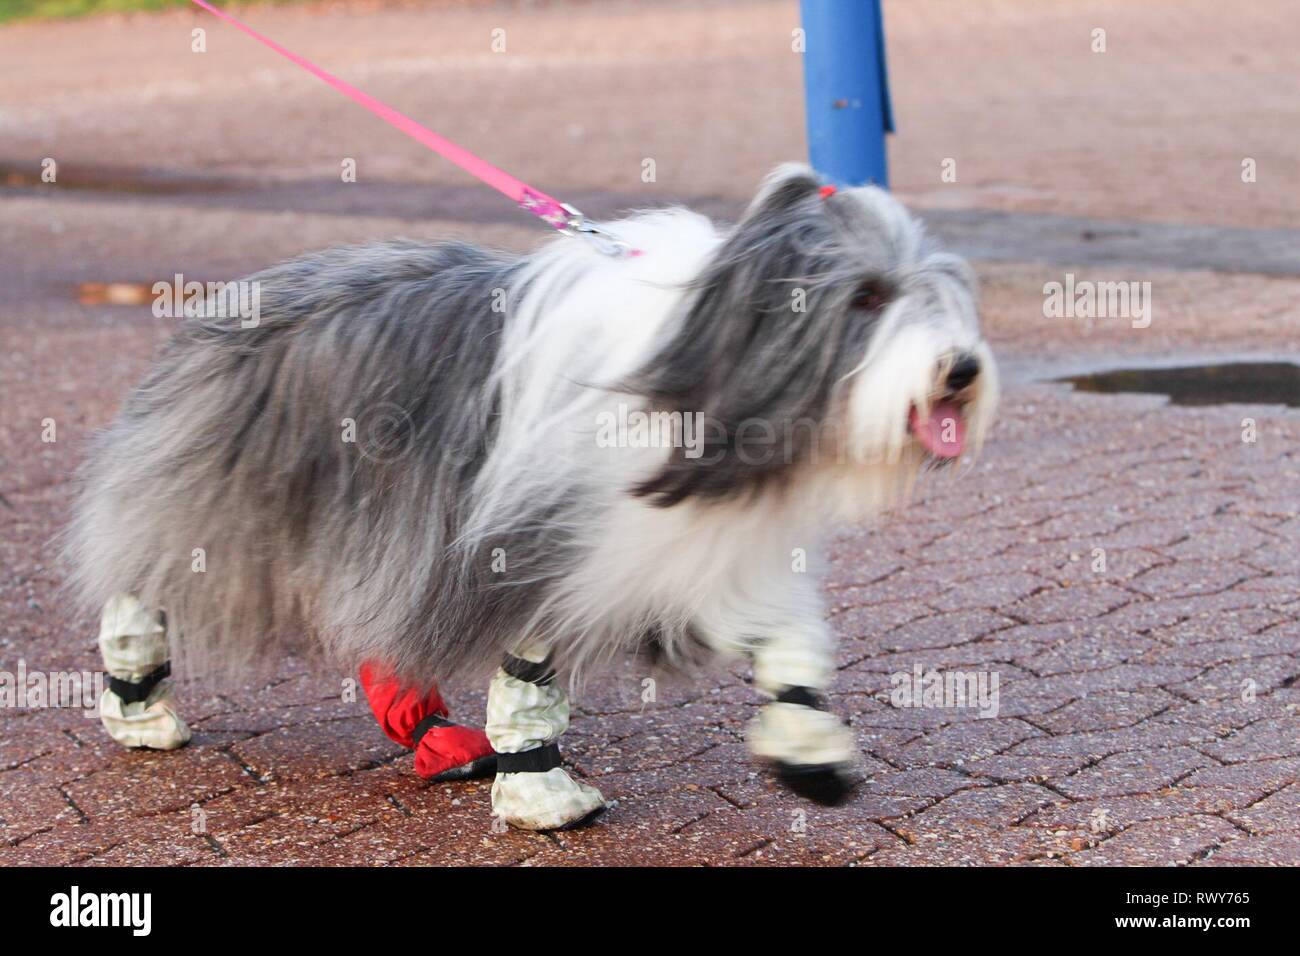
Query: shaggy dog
[438,458]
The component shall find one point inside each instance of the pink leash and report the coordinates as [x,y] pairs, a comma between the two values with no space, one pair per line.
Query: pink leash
[550,210]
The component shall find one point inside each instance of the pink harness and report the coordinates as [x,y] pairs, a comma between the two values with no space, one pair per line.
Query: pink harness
[550,210]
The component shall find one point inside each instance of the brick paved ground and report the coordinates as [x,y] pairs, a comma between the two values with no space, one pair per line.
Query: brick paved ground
[1148,709]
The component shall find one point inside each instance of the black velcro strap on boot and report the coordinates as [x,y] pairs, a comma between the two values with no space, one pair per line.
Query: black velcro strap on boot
[804,696]
[530,761]
[528,671]
[132,692]
[424,726]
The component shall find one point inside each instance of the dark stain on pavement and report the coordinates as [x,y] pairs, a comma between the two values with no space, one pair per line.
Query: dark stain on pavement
[984,234]
[1251,383]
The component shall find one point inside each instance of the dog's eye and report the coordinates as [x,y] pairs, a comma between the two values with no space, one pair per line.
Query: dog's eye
[871,296]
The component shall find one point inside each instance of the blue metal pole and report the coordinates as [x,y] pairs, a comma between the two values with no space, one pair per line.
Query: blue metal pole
[846,90]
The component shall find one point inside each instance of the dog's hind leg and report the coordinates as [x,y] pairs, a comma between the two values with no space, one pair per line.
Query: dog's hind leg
[813,750]
[444,750]
[526,714]
[137,708]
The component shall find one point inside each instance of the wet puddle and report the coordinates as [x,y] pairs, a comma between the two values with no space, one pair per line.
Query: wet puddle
[1252,383]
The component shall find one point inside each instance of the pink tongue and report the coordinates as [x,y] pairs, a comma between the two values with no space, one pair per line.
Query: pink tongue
[943,433]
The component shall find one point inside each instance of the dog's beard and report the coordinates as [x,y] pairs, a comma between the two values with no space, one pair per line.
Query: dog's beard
[898,403]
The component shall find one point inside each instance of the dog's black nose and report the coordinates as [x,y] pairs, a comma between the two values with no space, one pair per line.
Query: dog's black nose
[963,372]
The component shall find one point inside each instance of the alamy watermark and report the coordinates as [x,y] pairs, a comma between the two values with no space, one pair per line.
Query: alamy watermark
[241,299]
[49,689]
[1085,299]
[753,441]
[946,689]
[633,428]
[75,908]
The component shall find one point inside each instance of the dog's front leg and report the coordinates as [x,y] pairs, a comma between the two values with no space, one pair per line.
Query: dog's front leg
[813,750]
[526,714]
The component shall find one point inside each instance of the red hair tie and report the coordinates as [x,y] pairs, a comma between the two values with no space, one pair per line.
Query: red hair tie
[827,191]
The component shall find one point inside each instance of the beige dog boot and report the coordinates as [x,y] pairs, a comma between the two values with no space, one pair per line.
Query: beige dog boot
[526,714]
[814,752]
[137,708]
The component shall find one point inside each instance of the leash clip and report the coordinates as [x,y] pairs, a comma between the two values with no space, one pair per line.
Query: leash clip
[577,225]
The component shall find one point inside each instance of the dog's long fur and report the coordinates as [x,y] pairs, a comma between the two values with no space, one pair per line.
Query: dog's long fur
[475,507]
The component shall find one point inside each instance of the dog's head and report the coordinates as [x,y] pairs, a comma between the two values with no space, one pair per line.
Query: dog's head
[825,333]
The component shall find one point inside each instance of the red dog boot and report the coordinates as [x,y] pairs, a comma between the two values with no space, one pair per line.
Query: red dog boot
[443,750]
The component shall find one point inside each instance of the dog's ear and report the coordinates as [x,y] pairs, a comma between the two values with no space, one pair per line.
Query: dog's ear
[785,186]
[753,347]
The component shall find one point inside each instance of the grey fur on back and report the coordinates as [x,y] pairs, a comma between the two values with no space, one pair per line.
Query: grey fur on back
[234,444]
